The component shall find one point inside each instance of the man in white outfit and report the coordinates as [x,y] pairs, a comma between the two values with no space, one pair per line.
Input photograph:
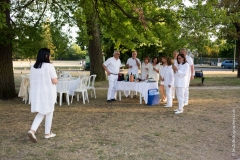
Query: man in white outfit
[112,67]
[133,64]
[191,74]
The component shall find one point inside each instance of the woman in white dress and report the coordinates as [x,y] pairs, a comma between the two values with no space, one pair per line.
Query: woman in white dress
[168,82]
[144,69]
[154,69]
[163,70]
[43,80]
[181,80]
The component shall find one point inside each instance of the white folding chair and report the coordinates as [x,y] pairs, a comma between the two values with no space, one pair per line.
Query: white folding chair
[66,75]
[82,75]
[63,88]
[82,88]
[90,85]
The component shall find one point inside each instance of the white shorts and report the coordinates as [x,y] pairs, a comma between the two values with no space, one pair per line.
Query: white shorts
[162,82]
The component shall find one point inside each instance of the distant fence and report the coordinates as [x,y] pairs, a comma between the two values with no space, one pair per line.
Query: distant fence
[205,60]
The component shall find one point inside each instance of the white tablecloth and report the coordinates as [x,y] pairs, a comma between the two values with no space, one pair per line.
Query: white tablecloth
[141,87]
[71,85]
[23,91]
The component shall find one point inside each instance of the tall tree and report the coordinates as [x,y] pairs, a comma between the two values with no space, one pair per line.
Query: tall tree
[47,38]
[7,85]
[16,21]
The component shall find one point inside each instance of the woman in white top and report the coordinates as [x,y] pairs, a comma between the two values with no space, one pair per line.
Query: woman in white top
[181,80]
[175,53]
[168,82]
[43,80]
[163,70]
[154,69]
[144,69]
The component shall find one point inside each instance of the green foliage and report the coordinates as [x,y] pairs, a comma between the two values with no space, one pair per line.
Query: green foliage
[47,39]
[3,7]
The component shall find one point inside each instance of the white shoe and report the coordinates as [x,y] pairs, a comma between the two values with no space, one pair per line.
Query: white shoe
[178,112]
[166,106]
[185,104]
[32,137]
[50,136]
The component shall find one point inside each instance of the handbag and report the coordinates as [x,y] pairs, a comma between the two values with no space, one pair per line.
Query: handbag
[121,77]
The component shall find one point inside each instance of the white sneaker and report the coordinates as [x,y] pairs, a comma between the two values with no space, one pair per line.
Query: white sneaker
[185,104]
[50,136]
[178,112]
[166,106]
[32,137]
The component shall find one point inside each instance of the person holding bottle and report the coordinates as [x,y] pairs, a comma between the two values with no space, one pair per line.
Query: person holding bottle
[133,64]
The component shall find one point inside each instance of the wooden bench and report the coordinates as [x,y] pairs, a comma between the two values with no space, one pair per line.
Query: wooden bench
[199,74]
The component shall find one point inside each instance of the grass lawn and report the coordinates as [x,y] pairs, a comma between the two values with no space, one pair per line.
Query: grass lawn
[127,130]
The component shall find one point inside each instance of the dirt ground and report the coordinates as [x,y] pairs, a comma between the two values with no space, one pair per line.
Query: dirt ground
[208,129]
[127,130]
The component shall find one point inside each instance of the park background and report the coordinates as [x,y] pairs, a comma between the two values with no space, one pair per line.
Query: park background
[209,127]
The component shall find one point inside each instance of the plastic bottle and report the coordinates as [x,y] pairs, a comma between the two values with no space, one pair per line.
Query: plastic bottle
[131,78]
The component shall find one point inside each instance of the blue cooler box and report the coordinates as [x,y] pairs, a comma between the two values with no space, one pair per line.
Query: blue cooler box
[153,97]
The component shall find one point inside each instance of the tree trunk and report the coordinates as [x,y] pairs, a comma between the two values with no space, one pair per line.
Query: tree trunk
[237,25]
[7,85]
[95,50]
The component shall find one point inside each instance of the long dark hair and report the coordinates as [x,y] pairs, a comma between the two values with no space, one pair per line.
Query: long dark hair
[157,60]
[42,57]
[183,56]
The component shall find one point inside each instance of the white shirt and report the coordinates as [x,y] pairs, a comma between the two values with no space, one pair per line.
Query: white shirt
[144,71]
[175,62]
[181,76]
[190,62]
[163,70]
[133,63]
[113,65]
[43,92]
[153,74]
[168,76]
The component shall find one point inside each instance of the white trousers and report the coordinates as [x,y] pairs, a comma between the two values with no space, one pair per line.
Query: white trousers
[186,95]
[48,122]
[169,95]
[173,92]
[112,92]
[180,96]
[186,92]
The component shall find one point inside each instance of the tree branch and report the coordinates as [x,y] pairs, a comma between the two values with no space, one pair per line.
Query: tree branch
[41,14]
[135,17]
[24,6]
[54,2]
